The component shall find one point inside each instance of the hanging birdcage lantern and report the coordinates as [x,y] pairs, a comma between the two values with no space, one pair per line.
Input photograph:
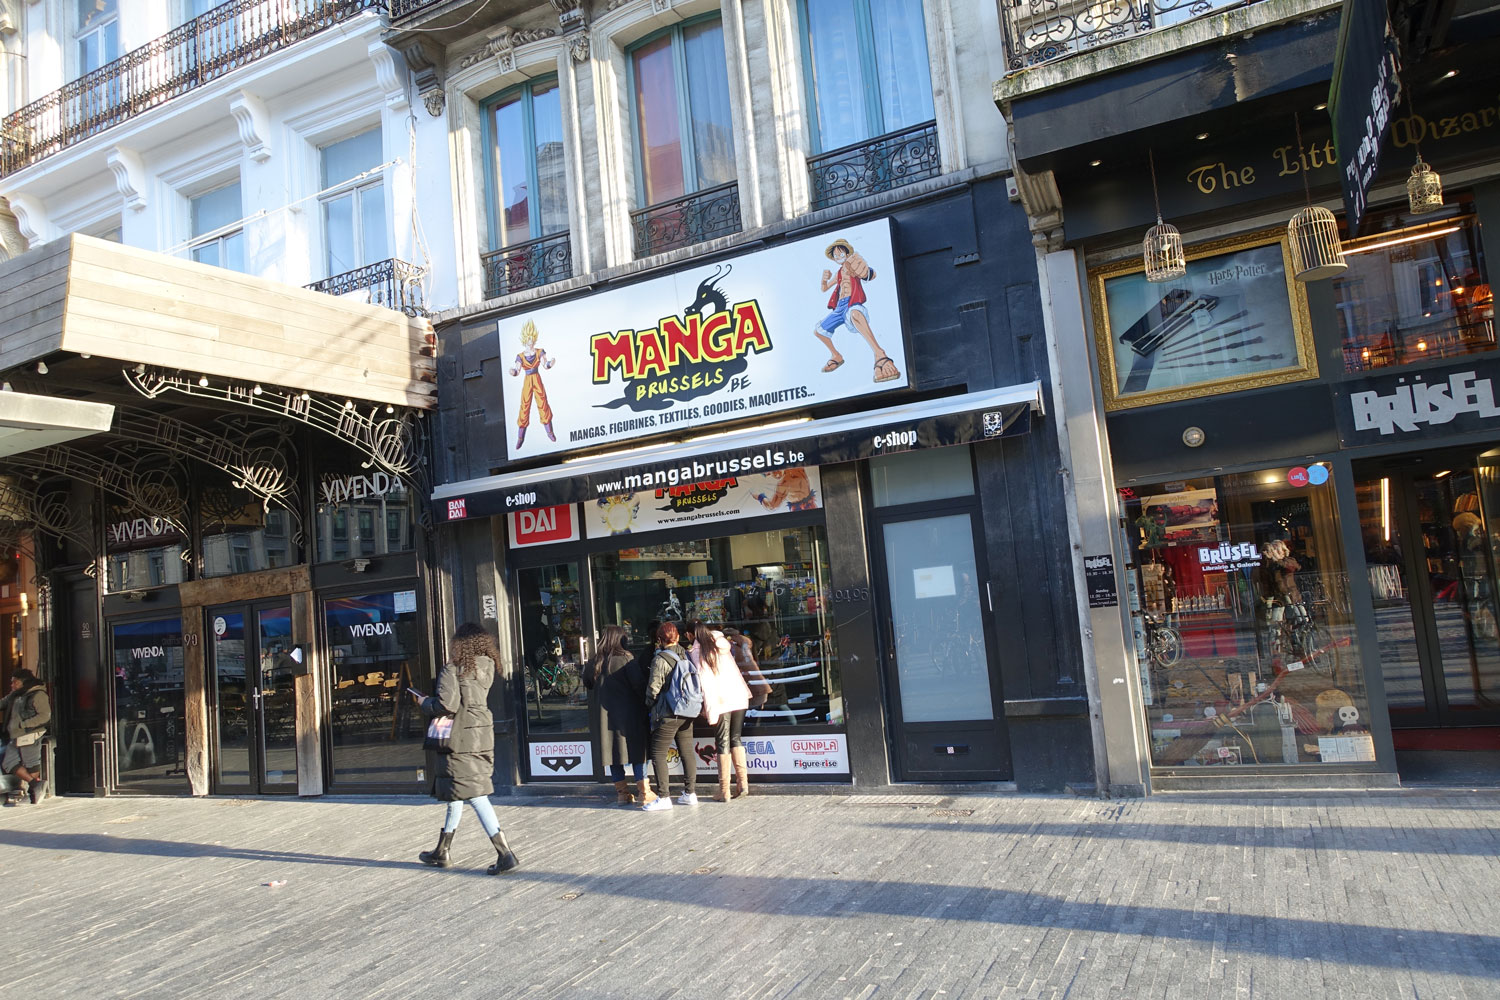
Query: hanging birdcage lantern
[1317,252]
[1163,253]
[1162,247]
[1424,188]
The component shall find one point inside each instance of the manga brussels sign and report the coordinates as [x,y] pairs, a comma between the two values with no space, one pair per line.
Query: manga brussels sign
[785,328]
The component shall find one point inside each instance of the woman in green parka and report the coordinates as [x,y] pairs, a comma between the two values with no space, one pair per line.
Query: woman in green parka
[464,771]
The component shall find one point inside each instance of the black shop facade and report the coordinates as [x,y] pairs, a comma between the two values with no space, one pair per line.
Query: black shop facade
[689,447]
[1306,472]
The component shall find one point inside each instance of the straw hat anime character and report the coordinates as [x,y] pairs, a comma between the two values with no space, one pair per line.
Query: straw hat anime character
[531,361]
[847,305]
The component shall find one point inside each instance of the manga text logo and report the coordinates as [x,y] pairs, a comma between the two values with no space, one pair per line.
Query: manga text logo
[1423,403]
[695,495]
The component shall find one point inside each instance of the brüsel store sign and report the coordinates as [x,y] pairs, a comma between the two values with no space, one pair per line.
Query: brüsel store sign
[798,325]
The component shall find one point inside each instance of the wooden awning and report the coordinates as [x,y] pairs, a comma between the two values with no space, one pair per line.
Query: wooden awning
[94,297]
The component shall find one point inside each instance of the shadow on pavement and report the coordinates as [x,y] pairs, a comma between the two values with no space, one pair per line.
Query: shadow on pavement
[1475,841]
[1281,937]
[101,844]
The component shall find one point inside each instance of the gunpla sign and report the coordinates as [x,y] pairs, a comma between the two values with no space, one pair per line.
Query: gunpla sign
[800,324]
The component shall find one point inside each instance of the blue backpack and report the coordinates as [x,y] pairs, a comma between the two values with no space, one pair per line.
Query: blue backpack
[684,691]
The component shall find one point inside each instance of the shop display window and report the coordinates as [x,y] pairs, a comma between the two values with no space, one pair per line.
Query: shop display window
[1246,648]
[770,585]
[375,643]
[1416,290]
[149,702]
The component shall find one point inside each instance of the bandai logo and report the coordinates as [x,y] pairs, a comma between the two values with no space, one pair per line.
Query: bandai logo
[458,509]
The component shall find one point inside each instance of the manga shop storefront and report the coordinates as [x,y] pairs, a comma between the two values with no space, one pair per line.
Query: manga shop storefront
[764,465]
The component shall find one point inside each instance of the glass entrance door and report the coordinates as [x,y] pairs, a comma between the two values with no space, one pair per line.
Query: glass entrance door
[254,697]
[945,713]
[1430,533]
[555,644]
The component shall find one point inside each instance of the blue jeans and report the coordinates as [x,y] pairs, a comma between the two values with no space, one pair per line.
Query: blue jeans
[482,809]
[617,771]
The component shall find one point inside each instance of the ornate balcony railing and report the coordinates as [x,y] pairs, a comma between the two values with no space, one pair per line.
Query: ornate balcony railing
[879,164]
[702,216]
[405,8]
[1038,31]
[204,49]
[392,283]
[527,265]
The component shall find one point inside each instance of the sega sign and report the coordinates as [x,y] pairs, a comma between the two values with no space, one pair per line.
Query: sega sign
[821,754]
[543,525]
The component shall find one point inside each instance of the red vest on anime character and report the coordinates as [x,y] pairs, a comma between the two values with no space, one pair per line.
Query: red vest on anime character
[856,291]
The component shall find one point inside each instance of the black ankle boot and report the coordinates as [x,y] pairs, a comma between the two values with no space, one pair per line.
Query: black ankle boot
[438,856]
[507,858]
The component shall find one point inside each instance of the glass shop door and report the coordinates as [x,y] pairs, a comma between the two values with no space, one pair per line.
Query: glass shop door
[556,636]
[252,684]
[1430,528]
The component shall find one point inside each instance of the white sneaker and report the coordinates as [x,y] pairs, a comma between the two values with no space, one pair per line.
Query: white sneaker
[687,799]
[655,805]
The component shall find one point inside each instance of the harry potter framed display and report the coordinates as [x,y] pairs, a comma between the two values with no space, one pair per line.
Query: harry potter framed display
[1236,320]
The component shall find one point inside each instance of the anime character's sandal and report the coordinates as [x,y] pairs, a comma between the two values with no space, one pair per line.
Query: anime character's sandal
[833,365]
[885,369]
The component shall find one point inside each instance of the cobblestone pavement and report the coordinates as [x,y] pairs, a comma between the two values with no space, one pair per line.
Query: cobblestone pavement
[1387,895]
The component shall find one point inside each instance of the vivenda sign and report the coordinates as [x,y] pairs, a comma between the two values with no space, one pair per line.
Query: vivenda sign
[781,329]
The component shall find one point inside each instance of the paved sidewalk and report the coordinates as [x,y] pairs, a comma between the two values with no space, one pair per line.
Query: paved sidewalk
[773,896]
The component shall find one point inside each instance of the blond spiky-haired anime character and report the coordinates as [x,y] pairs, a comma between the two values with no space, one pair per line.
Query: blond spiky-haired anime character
[532,360]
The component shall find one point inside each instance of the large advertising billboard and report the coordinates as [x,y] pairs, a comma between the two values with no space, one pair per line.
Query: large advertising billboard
[786,328]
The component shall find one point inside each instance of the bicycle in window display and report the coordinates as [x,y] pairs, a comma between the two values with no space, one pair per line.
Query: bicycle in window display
[551,675]
[1293,635]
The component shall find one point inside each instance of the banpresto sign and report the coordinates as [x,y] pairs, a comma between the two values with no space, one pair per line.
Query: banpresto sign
[803,323]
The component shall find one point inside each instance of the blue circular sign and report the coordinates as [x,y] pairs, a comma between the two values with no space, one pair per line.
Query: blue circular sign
[1317,474]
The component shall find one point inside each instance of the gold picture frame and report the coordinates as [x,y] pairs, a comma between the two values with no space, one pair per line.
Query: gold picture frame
[1182,323]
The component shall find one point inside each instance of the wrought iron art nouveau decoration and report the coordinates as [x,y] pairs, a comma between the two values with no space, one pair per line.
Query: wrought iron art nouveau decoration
[390,441]
[528,265]
[48,507]
[878,164]
[157,488]
[703,216]
[197,52]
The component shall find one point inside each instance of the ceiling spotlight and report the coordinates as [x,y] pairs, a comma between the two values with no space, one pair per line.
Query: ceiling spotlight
[203,381]
[41,367]
[1095,163]
[1449,75]
[257,390]
[389,408]
[348,404]
[1202,136]
[1320,107]
[305,396]
[85,356]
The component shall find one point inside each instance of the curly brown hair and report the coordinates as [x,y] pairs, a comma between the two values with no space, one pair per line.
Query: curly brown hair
[469,643]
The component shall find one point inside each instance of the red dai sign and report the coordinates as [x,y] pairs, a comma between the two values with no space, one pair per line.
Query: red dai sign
[541,525]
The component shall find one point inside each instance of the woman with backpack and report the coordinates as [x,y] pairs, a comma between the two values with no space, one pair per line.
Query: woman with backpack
[464,769]
[725,699]
[621,683]
[669,681]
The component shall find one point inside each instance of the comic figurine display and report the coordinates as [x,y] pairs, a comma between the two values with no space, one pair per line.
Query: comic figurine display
[847,305]
[531,361]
